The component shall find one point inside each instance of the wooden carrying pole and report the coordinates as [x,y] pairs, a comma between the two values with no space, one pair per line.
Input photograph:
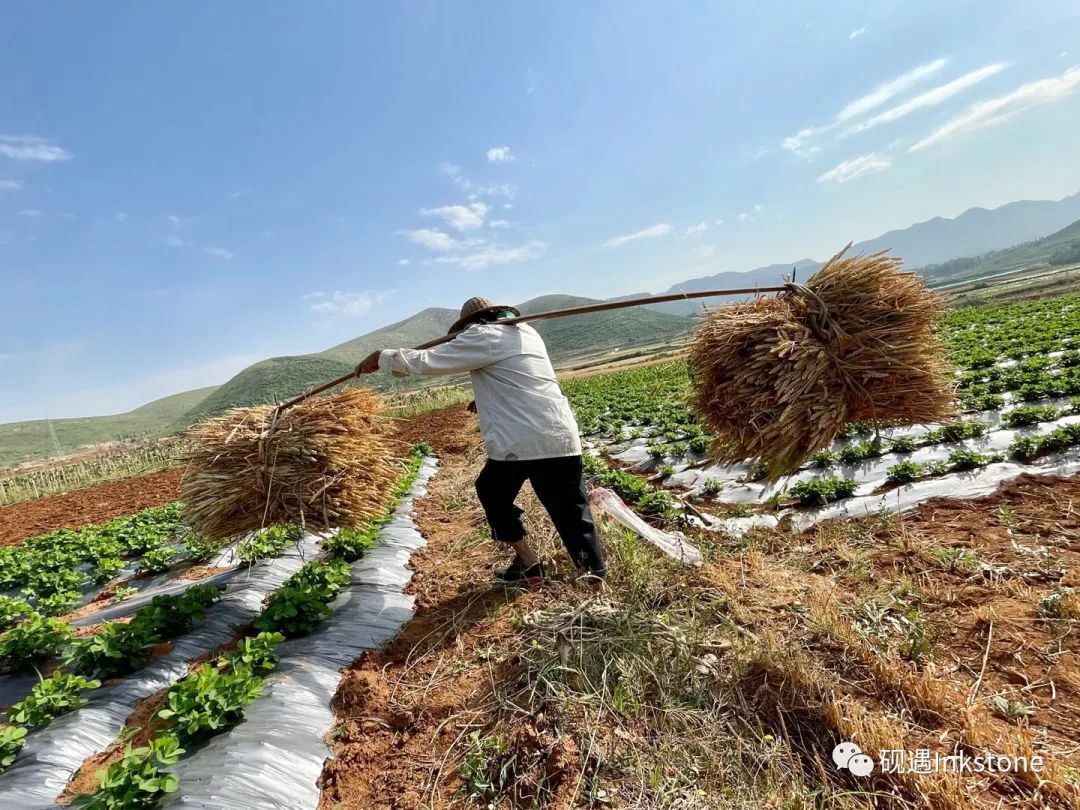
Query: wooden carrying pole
[603,306]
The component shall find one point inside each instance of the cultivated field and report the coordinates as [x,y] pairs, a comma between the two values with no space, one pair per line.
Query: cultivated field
[914,588]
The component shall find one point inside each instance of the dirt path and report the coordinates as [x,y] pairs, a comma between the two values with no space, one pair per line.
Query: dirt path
[94,504]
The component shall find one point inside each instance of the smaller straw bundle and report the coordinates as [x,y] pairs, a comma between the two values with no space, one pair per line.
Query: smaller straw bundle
[325,463]
[776,379]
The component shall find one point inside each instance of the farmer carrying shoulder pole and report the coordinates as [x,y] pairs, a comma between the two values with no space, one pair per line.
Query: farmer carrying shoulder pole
[527,425]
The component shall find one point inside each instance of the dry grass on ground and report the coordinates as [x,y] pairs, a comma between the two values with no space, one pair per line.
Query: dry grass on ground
[727,686]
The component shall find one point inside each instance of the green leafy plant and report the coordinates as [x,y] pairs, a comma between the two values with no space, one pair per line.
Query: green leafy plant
[106,569]
[172,614]
[823,491]
[31,641]
[121,594]
[304,599]
[905,472]
[210,699]
[487,769]
[157,560]
[200,549]
[825,458]
[1024,415]
[13,610]
[352,544]
[902,444]
[257,653]
[12,739]
[137,780]
[964,459]
[57,604]
[269,542]
[51,697]
[115,649]
[712,487]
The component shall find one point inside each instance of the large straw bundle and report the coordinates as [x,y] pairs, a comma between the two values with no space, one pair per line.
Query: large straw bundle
[326,463]
[777,378]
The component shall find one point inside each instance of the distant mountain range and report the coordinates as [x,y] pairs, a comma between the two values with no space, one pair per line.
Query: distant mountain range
[977,242]
[972,233]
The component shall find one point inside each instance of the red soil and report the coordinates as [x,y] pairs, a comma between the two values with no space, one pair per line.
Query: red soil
[94,504]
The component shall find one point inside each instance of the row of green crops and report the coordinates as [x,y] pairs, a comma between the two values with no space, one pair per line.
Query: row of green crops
[213,698]
[50,569]
[116,649]
[651,401]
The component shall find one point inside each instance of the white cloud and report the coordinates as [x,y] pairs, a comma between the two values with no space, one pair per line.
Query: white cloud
[177,221]
[858,32]
[31,147]
[742,217]
[239,193]
[695,230]
[758,208]
[883,92]
[10,185]
[499,223]
[120,216]
[705,251]
[801,143]
[653,231]
[500,154]
[346,303]
[174,241]
[508,206]
[995,111]
[431,239]
[221,253]
[719,222]
[1063,54]
[29,212]
[856,167]
[473,191]
[460,217]
[930,98]
[490,255]
[404,262]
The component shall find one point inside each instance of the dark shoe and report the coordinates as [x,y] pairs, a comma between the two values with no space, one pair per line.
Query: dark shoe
[518,574]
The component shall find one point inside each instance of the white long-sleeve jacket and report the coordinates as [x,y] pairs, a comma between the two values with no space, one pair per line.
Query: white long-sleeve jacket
[523,413]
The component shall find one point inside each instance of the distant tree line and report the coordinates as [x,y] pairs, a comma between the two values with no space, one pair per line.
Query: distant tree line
[1067,255]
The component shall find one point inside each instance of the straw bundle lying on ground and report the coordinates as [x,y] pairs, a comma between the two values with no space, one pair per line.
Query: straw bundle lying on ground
[777,378]
[326,463]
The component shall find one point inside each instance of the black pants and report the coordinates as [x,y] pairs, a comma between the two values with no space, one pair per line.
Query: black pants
[559,485]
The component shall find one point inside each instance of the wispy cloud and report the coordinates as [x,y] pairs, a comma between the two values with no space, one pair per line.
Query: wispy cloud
[120,216]
[10,185]
[995,111]
[694,231]
[32,147]
[476,190]
[221,253]
[349,304]
[802,142]
[856,167]
[404,262]
[652,232]
[931,98]
[432,239]
[239,193]
[460,217]
[500,154]
[858,32]
[883,92]
[177,221]
[492,255]
[174,241]
[499,223]
[30,212]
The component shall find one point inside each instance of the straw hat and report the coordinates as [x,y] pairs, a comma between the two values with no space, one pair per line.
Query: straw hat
[477,306]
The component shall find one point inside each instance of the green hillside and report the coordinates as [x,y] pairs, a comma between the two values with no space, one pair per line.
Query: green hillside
[280,378]
[599,331]
[1053,249]
[22,441]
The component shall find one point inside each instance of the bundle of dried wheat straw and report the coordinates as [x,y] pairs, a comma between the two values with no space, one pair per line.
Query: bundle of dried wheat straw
[777,378]
[326,463]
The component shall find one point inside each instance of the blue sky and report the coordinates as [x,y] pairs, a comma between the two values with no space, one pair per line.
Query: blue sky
[186,188]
